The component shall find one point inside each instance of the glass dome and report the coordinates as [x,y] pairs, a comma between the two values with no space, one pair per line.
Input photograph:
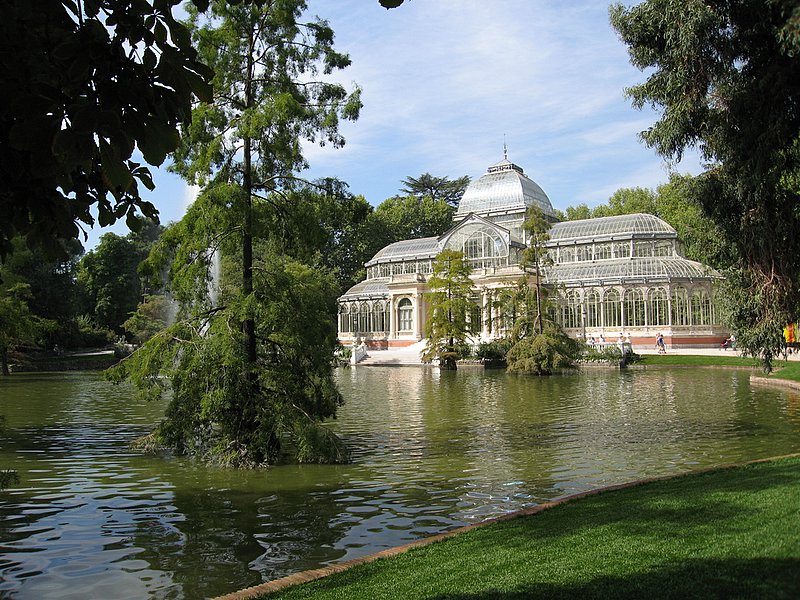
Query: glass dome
[504,188]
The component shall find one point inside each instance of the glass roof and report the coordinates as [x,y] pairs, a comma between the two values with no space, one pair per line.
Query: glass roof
[422,248]
[505,187]
[370,287]
[636,225]
[665,268]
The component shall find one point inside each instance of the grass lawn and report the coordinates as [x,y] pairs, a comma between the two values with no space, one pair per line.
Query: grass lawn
[723,359]
[730,533]
[788,370]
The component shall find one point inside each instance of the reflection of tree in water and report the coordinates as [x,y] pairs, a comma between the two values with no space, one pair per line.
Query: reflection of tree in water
[216,541]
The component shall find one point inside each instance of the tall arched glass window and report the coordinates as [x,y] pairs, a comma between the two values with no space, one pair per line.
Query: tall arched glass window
[680,306]
[380,317]
[634,308]
[657,311]
[612,309]
[707,308]
[405,314]
[592,309]
[344,318]
[702,313]
[483,246]
[570,310]
[364,314]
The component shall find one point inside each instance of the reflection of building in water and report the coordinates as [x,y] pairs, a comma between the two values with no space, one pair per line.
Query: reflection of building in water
[610,275]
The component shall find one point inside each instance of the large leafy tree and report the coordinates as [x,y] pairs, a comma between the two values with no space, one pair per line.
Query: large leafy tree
[17,324]
[450,303]
[407,217]
[249,359]
[109,281]
[85,83]
[53,293]
[727,77]
[437,188]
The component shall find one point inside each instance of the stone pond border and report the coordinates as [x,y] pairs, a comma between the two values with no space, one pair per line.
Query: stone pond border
[306,576]
[784,383]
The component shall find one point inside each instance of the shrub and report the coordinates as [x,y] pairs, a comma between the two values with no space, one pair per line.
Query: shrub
[543,353]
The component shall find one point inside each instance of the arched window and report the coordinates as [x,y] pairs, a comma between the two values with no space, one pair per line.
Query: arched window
[634,308]
[622,249]
[612,309]
[474,323]
[593,309]
[344,318]
[657,313]
[602,251]
[380,317]
[707,308]
[364,314]
[405,315]
[663,248]
[482,245]
[680,306]
[570,308]
[702,313]
[643,249]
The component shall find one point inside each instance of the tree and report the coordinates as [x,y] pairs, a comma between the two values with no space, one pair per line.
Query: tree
[324,222]
[543,352]
[53,292]
[727,77]
[17,324]
[437,188]
[535,255]
[109,279]
[409,217]
[151,316]
[449,299]
[85,83]
[250,366]
[518,309]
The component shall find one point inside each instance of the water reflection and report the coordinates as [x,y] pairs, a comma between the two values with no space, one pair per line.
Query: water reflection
[431,450]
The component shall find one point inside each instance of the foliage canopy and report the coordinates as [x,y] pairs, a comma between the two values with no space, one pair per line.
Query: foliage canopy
[727,78]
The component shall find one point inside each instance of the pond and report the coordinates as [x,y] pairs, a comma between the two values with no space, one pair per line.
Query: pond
[432,450]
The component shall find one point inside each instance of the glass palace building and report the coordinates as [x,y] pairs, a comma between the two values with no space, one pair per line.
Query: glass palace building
[610,276]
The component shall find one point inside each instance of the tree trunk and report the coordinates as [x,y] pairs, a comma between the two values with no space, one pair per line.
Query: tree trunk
[539,300]
[4,361]
[248,327]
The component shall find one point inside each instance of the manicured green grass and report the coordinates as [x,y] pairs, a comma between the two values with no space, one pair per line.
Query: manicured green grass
[787,370]
[730,533]
[723,359]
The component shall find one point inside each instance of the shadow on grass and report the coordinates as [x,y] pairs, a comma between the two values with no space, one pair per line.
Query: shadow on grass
[735,578]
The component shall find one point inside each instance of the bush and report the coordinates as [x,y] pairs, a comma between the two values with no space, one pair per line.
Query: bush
[495,350]
[543,353]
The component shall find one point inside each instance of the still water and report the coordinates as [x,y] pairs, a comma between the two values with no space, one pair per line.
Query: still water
[91,519]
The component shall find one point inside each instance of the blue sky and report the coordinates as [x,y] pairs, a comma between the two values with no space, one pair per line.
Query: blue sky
[445,81]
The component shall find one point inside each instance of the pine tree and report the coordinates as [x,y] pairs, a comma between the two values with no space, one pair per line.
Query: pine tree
[250,363]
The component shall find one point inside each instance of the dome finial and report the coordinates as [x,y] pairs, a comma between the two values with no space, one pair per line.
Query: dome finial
[505,148]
